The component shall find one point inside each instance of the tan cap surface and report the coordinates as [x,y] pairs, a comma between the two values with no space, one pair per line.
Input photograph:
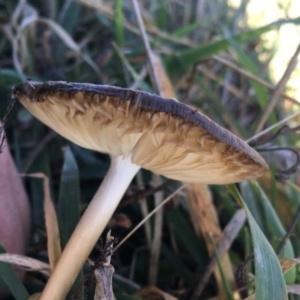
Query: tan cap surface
[158,134]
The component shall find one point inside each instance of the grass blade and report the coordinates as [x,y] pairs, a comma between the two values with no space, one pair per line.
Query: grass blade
[69,197]
[270,282]
[10,281]
[69,206]
[188,57]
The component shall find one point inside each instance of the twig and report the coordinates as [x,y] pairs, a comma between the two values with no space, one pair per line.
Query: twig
[273,126]
[144,210]
[156,235]
[292,227]
[283,175]
[141,194]
[37,150]
[229,234]
[150,215]
[276,94]
[153,75]
[191,80]
[284,130]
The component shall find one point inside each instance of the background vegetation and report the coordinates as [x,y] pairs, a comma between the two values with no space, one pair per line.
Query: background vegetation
[216,63]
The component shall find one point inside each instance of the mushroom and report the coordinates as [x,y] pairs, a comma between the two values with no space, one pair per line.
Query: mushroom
[137,129]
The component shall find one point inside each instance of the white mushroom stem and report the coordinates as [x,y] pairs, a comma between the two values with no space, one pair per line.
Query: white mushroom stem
[89,228]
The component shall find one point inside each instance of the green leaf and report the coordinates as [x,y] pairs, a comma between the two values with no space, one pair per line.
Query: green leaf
[161,16]
[69,197]
[187,236]
[10,281]
[223,276]
[119,27]
[189,28]
[275,228]
[253,204]
[187,58]
[40,164]
[249,65]
[69,204]
[124,284]
[269,279]
[177,264]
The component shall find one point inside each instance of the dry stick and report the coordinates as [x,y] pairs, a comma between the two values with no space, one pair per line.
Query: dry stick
[149,216]
[190,82]
[276,94]
[154,77]
[253,77]
[205,222]
[293,224]
[144,210]
[157,234]
[229,234]
[235,91]
[154,250]
[37,150]
[25,263]
[273,126]
[142,194]
[290,231]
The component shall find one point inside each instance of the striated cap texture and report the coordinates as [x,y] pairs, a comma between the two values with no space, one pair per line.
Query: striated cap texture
[158,134]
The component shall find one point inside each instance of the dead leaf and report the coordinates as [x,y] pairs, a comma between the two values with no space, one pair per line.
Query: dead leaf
[205,221]
[286,264]
[165,85]
[54,246]
[293,289]
[228,235]
[26,263]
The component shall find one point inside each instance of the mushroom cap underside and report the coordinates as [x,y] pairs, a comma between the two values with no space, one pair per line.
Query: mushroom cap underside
[158,134]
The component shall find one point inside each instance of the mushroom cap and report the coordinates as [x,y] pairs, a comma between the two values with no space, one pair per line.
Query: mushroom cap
[158,134]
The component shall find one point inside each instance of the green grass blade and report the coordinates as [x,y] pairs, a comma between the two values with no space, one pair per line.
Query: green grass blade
[253,205]
[269,279]
[10,281]
[40,164]
[224,279]
[188,29]
[249,65]
[275,228]
[69,197]
[119,26]
[187,236]
[188,57]
[177,264]
[69,206]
